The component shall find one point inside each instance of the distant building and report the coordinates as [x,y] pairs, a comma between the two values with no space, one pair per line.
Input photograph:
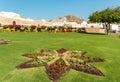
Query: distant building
[73,24]
[95,25]
[115,27]
[83,24]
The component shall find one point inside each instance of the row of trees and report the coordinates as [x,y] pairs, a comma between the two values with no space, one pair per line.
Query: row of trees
[106,16]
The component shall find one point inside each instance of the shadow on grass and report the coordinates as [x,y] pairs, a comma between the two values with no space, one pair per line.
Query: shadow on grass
[92,33]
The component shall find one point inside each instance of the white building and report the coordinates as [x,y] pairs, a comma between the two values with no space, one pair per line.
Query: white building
[58,23]
[83,24]
[73,24]
[115,27]
[95,25]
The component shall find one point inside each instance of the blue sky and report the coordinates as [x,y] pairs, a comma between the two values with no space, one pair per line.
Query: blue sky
[49,9]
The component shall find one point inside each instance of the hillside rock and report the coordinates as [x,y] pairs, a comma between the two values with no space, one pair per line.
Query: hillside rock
[68,18]
[7,18]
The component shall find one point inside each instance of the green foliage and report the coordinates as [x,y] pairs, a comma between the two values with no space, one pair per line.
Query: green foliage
[109,15]
[5,26]
[26,26]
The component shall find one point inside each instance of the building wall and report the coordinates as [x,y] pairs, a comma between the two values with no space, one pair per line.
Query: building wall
[95,25]
[95,30]
[115,27]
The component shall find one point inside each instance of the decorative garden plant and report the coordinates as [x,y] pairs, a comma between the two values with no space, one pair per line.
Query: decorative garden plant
[58,62]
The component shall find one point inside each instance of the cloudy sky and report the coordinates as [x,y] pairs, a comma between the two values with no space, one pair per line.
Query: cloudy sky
[49,9]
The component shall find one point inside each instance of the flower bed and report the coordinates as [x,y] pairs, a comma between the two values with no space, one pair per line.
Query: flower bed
[82,57]
[85,67]
[38,58]
[58,62]
[29,64]
[80,61]
[56,70]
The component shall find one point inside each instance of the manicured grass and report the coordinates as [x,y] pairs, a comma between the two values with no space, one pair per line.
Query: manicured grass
[104,46]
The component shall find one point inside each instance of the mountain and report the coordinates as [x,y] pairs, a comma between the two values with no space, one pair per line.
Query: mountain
[68,18]
[13,15]
[8,21]
[6,18]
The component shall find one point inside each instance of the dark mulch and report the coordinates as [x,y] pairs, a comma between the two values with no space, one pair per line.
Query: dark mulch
[87,69]
[28,55]
[94,60]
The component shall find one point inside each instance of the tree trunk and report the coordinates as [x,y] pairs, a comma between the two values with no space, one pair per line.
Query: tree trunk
[107,27]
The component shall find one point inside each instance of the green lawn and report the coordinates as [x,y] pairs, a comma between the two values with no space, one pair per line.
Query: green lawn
[104,46]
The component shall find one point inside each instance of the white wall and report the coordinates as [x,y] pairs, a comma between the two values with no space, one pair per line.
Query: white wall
[58,23]
[95,25]
[115,27]
[73,24]
[84,24]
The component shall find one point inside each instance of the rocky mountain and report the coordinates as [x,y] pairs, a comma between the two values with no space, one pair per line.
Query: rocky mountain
[8,21]
[68,18]
[6,18]
[13,15]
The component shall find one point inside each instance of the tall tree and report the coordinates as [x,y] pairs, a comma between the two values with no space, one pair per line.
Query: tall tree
[106,16]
